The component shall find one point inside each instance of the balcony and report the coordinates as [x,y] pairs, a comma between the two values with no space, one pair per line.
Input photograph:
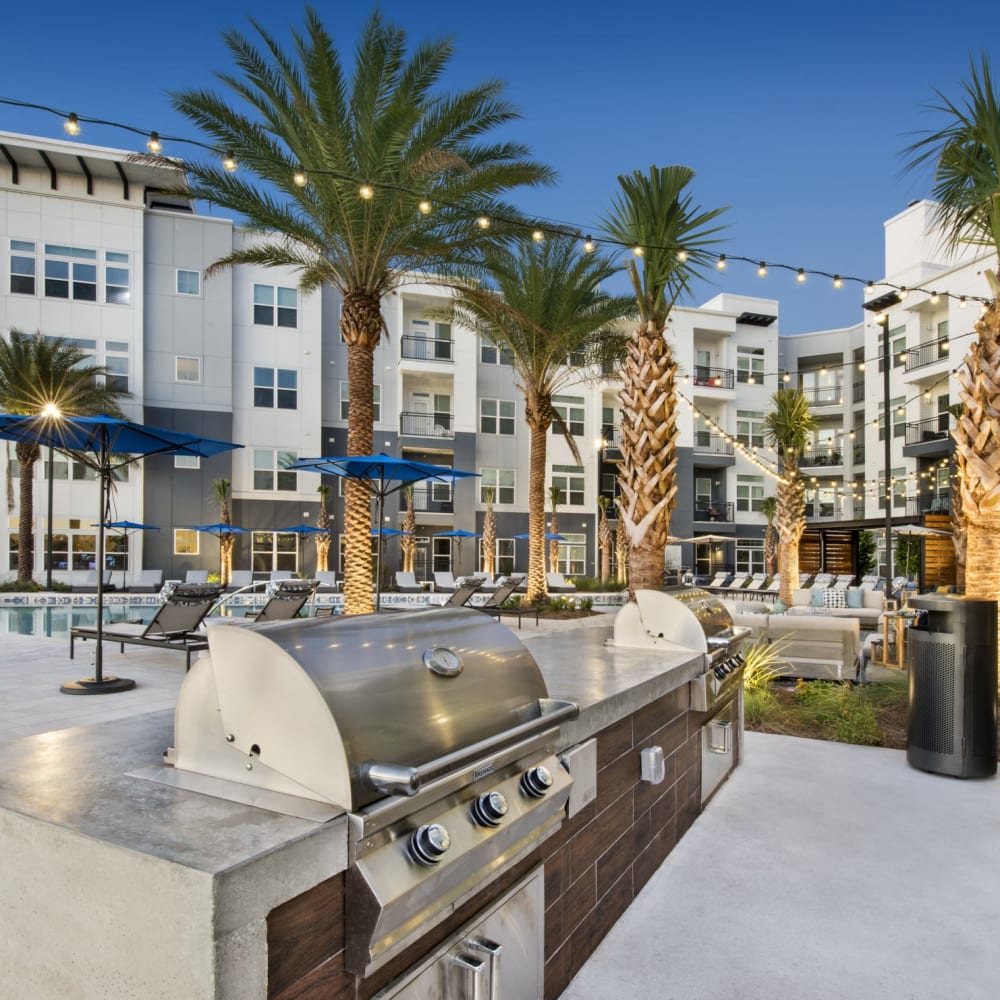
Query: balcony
[928,437]
[432,425]
[821,459]
[427,349]
[937,503]
[611,438]
[433,499]
[927,354]
[713,378]
[711,444]
[718,511]
[824,395]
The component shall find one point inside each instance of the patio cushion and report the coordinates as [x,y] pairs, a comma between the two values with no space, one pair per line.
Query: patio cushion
[874,599]
[855,597]
[834,599]
[816,597]
[800,598]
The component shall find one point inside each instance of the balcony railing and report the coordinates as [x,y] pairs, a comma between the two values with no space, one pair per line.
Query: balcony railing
[927,354]
[427,348]
[706,443]
[433,499]
[859,454]
[824,395]
[859,392]
[929,429]
[713,378]
[825,510]
[611,436]
[937,503]
[441,425]
[720,510]
[821,459]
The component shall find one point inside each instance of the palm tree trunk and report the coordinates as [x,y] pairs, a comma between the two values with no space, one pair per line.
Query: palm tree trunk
[408,543]
[621,551]
[554,544]
[648,472]
[357,515]
[489,539]
[791,523]
[537,585]
[605,540]
[27,455]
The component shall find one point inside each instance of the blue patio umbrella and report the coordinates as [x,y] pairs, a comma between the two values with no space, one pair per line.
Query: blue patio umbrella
[549,536]
[105,444]
[382,475]
[127,527]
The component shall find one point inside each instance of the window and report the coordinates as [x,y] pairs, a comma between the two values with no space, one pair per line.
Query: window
[749,555]
[823,385]
[570,408]
[264,298]
[70,272]
[750,364]
[502,483]
[573,555]
[496,416]
[273,550]
[22,267]
[568,479]
[750,428]
[187,369]
[898,407]
[490,354]
[185,542]
[504,559]
[749,493]
[897,341]
[189,283]
[116,362]
[276,387]
[116,275]
[898,488]
[345,402]
[187,462]
[271,472]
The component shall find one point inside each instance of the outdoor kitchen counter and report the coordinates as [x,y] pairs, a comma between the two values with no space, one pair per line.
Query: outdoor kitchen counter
[115,885]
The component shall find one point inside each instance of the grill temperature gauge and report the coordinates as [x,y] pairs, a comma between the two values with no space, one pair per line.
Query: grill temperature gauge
[429,843]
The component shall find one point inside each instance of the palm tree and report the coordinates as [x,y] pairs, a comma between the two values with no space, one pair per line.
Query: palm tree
[965,154]
[408,540]
[789,428]
[769,508]
[47,374]
[621,549]
[316,135]
[555,498]
[543,307]
[489,543]
[226,538]
[654,214]
[604,536]
[323,521]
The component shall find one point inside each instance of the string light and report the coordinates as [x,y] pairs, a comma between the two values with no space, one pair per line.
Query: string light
[588,245]
[762,270]
[801,276]
[870,288]
[229,163]
[424,206]
[638,251]
[935,298]
[962,304]
[366,192]
[902,293]
[682,255]
[721,263]
[153,143]
[483,222]
[300,178]
[537,235]
[72,125]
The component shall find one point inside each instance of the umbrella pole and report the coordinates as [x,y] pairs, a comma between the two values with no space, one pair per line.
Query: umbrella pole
[99,684]
[378,560]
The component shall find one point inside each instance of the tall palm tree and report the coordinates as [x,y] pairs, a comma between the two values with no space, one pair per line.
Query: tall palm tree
[408,540]
[323,521]
[965,155]
[769,508]
[37,372]
[654,213]
[316,133]
[227,539]
[542,305]
[789,428]
[489,543]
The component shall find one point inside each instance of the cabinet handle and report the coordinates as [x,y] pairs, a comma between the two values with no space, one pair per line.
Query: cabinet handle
[471,975]
[492,950]
[720,737]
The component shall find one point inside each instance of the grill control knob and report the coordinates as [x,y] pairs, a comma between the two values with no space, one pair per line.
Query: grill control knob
[536,782]
[489,809]
[429,843]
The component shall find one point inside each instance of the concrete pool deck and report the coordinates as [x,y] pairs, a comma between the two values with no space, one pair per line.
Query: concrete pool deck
[818,871]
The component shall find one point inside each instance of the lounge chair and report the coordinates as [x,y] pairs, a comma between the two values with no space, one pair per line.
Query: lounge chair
[757,581]
[556,583]
[90,583]
[445,583]
[494,606]
[522,582]
[461,596]
[486,582]
[843,581]
[869,582]
[719,580]
[174,626]
[739,582]
[240,578]
[280,574]
[326,580]
[406,583]
[149,580]
[284,601]
[197,576]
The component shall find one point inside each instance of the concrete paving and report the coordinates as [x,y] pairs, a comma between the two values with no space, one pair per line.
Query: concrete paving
[818,872]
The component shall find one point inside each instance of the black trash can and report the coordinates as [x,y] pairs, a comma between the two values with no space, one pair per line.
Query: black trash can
[951,656]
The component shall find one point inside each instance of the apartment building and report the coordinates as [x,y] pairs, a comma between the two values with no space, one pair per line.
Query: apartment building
[96,251]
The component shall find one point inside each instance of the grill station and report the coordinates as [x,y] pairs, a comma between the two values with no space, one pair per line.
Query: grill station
[695,619]
[432,730]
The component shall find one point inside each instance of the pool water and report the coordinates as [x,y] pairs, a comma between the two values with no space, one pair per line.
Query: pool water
[57,621]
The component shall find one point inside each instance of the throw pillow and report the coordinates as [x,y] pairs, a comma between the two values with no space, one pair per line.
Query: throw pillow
[778,607]
[834,598]
[874,599]
[800,598]
[816,598]
[855,597]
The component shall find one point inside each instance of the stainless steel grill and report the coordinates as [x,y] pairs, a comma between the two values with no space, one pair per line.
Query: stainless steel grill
[432,729]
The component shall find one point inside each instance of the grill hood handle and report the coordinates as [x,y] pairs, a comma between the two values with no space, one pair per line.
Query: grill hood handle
[397,779]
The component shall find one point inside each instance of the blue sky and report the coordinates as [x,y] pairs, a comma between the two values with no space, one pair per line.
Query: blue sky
[793,114]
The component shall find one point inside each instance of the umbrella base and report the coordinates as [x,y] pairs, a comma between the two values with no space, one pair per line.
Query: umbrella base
[88,685]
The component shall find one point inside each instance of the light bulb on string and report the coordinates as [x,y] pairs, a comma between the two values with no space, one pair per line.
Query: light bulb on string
[903,292]
[537,235]
[366,192]
[300,178]
[229,163]
[588,245]
[424,206]
[870,288]
[935,298]
[721,262]
[483,222]
[762,270]
[962,303]
[153,143]
[837,281]
[682,255]
[801,276]
[72,125]
[637,251]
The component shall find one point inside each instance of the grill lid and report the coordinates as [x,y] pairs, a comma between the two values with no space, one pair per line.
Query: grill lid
[345,710]
[688,617]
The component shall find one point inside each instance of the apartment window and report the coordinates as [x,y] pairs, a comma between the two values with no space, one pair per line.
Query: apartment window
[345,401]
[490,354]
[750,428]
[749,493]
[750,364]
[504,558]
[187,462]
[897,340]
[276,388]
[749,555]
[185,542]
[568,479]
[116,362]
[187,369]
[573,555]
[271,472]
[502,483]
[570,409]
[496,416]
[275,306]
[898,477]
[70,273]
[22,267]
[273,550]
[898,407]
[188,282]
[116,278]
